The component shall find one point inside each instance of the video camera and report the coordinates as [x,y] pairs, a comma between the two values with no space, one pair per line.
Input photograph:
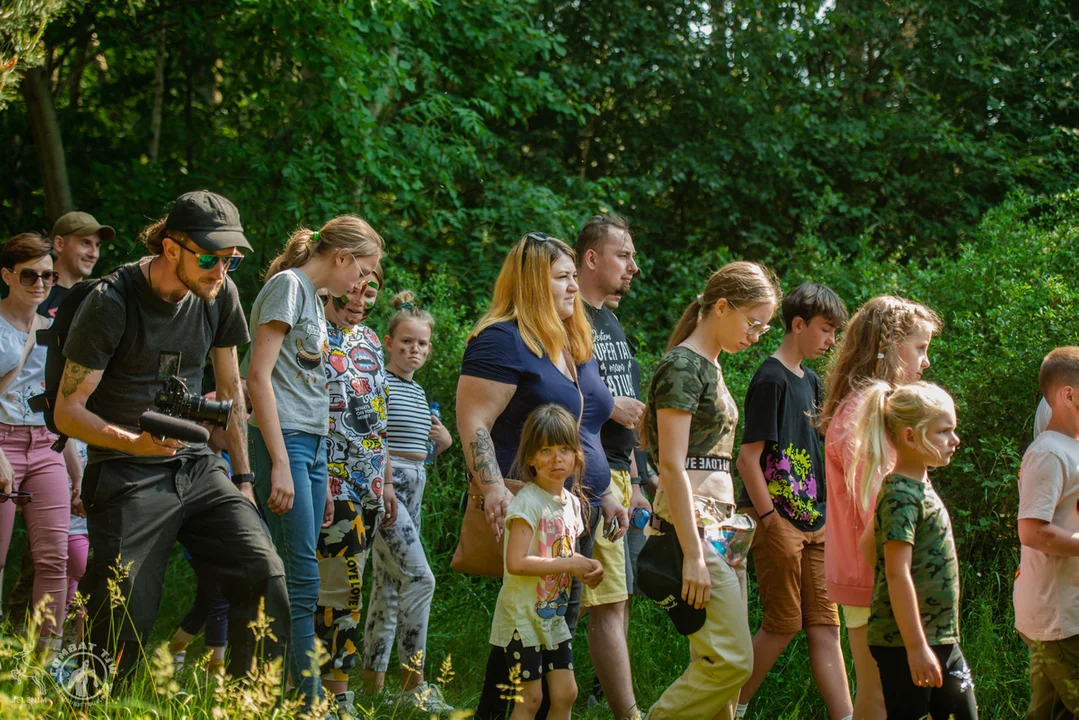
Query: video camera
[181,410]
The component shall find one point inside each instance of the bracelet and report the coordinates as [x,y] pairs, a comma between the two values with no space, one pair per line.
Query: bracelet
[241,478]
[761,517]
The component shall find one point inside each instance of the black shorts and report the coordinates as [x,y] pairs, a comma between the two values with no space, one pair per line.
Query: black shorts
[535,661]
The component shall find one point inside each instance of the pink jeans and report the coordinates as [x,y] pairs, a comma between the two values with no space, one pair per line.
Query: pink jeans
[41,471]
[77,547]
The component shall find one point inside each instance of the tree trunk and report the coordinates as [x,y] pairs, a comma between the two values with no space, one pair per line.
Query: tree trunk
[159,96]
[50,147]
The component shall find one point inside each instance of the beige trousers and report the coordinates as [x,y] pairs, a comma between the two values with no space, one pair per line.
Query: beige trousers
[721,653]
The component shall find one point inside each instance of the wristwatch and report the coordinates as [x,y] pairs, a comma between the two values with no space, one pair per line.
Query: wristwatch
[240,478]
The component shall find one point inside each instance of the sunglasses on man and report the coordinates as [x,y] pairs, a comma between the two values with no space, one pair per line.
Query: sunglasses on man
[29,278]
[209,262]
[16,496]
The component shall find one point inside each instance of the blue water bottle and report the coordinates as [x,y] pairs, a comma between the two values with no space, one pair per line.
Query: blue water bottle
[431,452]
[639,518]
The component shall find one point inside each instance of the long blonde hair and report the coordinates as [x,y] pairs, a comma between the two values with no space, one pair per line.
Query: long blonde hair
[868,350]
[523,295]
[881,414]
[345,232]
[742,284]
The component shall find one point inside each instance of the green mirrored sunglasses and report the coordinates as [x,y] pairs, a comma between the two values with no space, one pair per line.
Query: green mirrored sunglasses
[209,262]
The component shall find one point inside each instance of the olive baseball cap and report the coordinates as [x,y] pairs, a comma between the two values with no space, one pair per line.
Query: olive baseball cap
[81,224]
[209,219]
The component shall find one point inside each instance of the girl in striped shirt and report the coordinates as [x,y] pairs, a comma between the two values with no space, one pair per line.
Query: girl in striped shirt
[403,583]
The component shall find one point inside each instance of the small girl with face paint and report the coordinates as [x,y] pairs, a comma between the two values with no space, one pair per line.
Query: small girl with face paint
[403,584]
[886,340]
[542,524]
[913,630]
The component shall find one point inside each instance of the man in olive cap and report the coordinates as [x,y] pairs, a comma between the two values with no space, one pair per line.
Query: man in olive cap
[172,310]
[76,243]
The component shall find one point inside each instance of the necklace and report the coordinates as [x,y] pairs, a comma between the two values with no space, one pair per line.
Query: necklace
[697,350]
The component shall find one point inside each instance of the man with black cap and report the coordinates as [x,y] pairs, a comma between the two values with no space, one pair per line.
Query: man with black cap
[76,243]
[142,493]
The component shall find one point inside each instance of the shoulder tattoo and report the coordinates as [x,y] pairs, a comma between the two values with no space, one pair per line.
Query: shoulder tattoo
[74,374]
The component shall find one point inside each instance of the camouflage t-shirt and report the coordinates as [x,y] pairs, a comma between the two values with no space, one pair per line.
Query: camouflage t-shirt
[686,381]
[911,511]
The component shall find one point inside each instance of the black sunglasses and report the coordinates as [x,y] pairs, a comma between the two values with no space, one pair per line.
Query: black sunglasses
[209,262]
[533,238]
[17,496]
[29,278]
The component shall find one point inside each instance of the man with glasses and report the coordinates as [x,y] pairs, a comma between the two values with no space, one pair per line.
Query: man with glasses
[142,493]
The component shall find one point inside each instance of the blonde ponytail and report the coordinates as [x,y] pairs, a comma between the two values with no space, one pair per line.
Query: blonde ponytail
[345,232]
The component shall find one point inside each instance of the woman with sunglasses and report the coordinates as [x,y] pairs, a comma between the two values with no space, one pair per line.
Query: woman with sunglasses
[290,398]
[532,347]
[40,479]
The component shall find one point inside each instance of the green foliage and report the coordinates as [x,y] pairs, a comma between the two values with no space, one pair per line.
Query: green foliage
[22,24]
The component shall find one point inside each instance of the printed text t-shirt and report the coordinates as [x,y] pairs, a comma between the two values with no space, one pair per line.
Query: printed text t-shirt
[615,367]
[779,412]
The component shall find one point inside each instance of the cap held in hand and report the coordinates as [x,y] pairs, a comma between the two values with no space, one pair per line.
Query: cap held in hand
[659,574]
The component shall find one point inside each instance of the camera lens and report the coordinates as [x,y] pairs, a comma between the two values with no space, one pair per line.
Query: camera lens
[217,412]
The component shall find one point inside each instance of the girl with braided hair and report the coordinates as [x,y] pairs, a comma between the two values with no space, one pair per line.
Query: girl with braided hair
[887,340]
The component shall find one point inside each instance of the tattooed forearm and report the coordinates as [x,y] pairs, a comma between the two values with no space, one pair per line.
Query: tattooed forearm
[484,463]
[74,374]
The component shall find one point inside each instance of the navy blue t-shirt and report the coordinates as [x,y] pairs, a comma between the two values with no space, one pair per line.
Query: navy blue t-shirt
[499,354]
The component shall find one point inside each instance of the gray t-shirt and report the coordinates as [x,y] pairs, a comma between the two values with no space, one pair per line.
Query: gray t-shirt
[298,379]
[130,381]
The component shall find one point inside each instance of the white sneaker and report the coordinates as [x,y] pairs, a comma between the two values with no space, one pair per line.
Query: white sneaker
[426,697]
[345,705]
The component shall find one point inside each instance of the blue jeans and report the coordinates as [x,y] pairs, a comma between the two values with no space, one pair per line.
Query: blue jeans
[295,534]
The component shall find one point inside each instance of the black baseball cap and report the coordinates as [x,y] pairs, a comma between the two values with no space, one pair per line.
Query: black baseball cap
[659,575]
[209,219]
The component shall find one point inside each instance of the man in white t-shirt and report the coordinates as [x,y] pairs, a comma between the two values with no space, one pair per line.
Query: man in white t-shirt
[1047,586]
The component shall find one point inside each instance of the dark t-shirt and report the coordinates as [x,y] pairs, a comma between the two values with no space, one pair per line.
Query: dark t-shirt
[499,354]
[52,302]
[615,367]
[779,410]
[130,380]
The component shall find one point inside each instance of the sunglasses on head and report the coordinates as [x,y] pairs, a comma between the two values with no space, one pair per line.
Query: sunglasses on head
[533,238]
[29,278]
[209,262]
[16,496]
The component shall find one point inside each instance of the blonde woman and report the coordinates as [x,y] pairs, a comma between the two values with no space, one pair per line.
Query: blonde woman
[533,347]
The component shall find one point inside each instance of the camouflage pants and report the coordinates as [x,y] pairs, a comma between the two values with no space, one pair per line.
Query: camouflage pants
[1054,679]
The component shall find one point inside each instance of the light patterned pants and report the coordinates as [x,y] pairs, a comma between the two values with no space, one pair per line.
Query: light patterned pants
[721,653]
[403,584]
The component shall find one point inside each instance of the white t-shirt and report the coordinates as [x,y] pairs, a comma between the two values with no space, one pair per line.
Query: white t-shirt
[534,608]
[1041,417]
[1047,588]
[15,401]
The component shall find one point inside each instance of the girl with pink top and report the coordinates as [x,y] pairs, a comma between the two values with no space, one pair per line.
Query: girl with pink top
[887,339]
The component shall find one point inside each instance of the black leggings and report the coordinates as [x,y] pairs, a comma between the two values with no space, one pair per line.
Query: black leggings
[904,700]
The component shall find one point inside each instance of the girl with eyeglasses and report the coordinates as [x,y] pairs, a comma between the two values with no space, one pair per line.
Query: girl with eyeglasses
[38,478]
[290,398]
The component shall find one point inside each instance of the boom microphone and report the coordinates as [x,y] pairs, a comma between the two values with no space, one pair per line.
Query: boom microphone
[171,427]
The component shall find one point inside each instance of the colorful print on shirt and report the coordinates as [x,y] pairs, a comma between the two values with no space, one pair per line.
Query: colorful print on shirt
[356,444]
[552,591]
[792,482]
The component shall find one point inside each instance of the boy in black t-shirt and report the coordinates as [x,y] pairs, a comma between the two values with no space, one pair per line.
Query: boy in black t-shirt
[781,462]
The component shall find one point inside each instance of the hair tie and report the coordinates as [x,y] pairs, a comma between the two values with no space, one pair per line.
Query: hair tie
[700,296]
[880,356]
[314,236]
[405,306]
